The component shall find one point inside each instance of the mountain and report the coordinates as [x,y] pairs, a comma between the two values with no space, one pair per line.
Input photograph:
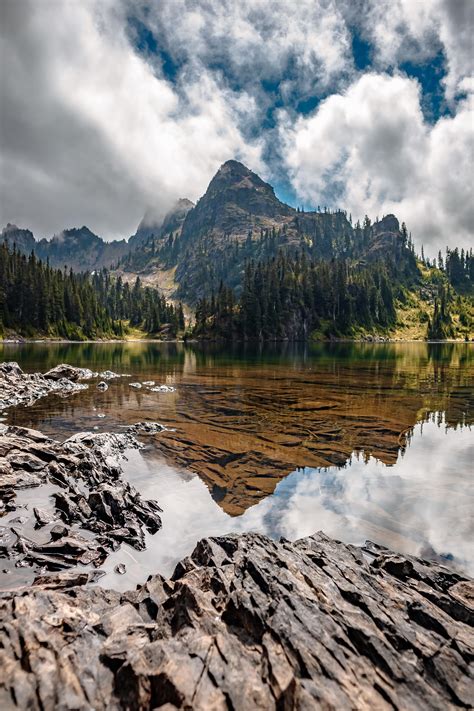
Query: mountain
[239,218]
[235,202]
[23,239]
[153,227]
[77,248]
[81,250]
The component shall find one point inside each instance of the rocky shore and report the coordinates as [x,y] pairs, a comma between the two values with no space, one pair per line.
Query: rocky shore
[19,388]
[88,510]
[247,623]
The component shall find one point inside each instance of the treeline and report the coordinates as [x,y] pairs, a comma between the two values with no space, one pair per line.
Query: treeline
[35,298]
[292,296]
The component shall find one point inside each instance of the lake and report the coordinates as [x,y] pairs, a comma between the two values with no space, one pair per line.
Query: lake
[362,441]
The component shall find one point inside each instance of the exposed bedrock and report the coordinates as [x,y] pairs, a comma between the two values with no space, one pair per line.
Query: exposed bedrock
[247,623]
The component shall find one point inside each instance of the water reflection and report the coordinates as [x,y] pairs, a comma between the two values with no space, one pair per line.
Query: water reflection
[422,505]
[245,418]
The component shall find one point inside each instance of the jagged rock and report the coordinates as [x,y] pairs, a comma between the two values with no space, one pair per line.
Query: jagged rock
[42,517]
[145,428]
[69,372]
[103,503]
[11,368]
[18,388]
[247,623]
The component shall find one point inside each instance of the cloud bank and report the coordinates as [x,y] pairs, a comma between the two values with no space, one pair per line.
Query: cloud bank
[371,151]
[110,107]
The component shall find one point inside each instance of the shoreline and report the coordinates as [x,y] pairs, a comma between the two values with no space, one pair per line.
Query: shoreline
[197,341]
[309,624]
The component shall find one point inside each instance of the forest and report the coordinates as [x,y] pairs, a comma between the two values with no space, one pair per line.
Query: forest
[37,299]
[292,296]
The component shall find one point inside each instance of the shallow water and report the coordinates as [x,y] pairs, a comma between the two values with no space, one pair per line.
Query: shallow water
[360,441]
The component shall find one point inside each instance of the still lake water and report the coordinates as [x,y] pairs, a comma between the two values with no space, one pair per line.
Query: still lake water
[362,441]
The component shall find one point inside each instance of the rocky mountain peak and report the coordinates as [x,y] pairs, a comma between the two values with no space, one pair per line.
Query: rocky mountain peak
[235,175]
[78,235]
[23,239]
[389,223]
[237,201]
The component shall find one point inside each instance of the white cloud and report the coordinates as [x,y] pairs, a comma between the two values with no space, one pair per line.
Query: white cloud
[415,30]
[371,147]
[92,132]
[89,133]
[305,45]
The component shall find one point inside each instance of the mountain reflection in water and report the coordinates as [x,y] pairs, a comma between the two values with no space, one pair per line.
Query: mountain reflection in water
[358,440]
[421,505]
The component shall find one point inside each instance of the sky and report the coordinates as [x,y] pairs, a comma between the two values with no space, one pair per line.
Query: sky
[109,108]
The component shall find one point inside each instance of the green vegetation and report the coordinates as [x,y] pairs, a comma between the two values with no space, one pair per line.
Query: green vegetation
[37,299]
[296,298]
[293,297]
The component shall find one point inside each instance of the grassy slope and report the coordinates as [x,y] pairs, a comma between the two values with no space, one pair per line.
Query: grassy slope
[416,309]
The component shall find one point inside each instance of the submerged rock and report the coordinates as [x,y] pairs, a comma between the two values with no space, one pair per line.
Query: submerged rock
[145,428]
[247,623]
[102,385]
[162,389]
[109,375]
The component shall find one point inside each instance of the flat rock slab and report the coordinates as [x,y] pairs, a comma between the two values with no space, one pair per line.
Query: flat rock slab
[247,623]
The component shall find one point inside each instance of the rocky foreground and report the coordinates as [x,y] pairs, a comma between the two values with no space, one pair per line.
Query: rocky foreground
[247,623]
[90,509]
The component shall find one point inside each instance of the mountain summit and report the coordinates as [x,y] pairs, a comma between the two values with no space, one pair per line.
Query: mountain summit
[237,201]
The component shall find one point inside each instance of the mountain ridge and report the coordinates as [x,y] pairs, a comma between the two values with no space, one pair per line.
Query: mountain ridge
[238,218]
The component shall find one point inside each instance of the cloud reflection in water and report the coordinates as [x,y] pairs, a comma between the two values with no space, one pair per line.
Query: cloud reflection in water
[423,505]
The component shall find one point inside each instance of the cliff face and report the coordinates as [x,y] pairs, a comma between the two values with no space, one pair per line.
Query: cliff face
[246,623]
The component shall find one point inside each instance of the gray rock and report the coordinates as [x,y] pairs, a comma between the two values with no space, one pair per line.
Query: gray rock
[68,372]
[43,518]
[102,385]
[145,428]
[88,493]
[247,623]
[18,388]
